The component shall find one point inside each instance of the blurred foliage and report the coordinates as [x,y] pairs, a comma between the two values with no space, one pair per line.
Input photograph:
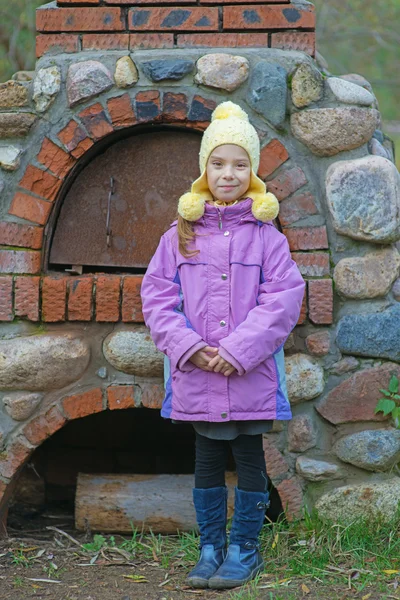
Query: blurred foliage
[362,36]
[17,36]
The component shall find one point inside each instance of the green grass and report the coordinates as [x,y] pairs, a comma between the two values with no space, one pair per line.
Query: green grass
[307,553]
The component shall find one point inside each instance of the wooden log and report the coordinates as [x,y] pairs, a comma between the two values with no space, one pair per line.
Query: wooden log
[118,503]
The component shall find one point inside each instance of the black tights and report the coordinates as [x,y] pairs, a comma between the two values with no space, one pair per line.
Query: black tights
[211,458]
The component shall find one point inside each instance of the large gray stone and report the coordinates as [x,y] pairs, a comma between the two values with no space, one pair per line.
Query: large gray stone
[327,131]
[222,71]
[350,93]
[369,276]
[10,158]
[268,91]
[373,450]
[373,334]
[316,470]
[307,85]
[375,500]
[46,86]
[126,73]
[87,79]
[304,378]
[20,406]
[16,124]
[42,362]
[363,197]
[173,68]
[134,352]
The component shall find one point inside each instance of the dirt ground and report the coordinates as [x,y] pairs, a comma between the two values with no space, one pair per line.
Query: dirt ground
[49,562]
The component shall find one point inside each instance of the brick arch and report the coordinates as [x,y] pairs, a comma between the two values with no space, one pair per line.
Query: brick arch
[116,397]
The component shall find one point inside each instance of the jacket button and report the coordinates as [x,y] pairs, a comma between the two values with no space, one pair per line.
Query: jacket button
[222,323]
[224,276]
[224,415]
[226,233]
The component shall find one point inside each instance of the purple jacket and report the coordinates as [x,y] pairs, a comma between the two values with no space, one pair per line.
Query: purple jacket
[241,293]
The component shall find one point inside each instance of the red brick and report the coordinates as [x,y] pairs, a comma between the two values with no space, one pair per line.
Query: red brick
[287,182]
[54,293]
[40,182]
[14,457]
[272,156]
[26,301]
[152,395]
[201,109]
[320,301]
[286,16]
[62,2]
[148,106]
[16,234]
[294,40]
[107,298]
[121,396]
[312,264]
[95,120]
[175,107]
[79,19]
[121,111]
[54,158]
[307,238]
[30,208]
[144,41]
[176,18]
[291,496]
[303,310]
[75,139]
[6,299]
[149,2]
[20,261]
[318,343]
[297,207]
[276,463]
[80,298]
[82,405]
[105,41]
[55,43]
[43,426]
[131,301]
[222,40]
[82,147]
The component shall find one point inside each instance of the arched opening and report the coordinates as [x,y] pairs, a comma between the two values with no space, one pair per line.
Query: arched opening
[122,199]
[119,442]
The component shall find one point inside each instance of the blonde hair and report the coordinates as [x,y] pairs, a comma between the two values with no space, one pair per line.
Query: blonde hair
[186,235]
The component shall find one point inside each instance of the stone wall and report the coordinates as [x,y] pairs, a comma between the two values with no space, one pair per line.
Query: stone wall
[73,345]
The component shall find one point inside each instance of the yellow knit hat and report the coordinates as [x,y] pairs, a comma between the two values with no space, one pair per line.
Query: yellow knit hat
[229,125]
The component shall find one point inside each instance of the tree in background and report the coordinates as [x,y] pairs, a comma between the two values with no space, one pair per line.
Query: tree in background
[17,36]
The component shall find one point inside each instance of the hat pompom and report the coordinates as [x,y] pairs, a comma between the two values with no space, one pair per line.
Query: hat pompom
[265,207]
[191,206]
[229,109]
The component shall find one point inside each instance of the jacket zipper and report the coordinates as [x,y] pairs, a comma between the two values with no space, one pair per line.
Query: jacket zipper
[219,219]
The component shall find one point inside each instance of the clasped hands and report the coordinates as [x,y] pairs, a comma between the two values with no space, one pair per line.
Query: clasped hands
[208,359]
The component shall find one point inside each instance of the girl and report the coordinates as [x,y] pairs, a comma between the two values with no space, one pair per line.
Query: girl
[220,297]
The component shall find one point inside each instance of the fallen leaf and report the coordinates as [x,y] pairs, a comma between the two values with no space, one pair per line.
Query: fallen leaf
[367,596]
[136,578]
[390,571]
[275,542]
[305,589]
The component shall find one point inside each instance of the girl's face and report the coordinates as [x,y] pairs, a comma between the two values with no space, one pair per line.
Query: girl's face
[228,173]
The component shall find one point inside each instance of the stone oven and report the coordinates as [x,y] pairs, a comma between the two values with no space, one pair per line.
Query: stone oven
[94,152]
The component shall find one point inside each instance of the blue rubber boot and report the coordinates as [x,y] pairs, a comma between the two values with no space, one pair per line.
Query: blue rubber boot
[243,560]
[211,513]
